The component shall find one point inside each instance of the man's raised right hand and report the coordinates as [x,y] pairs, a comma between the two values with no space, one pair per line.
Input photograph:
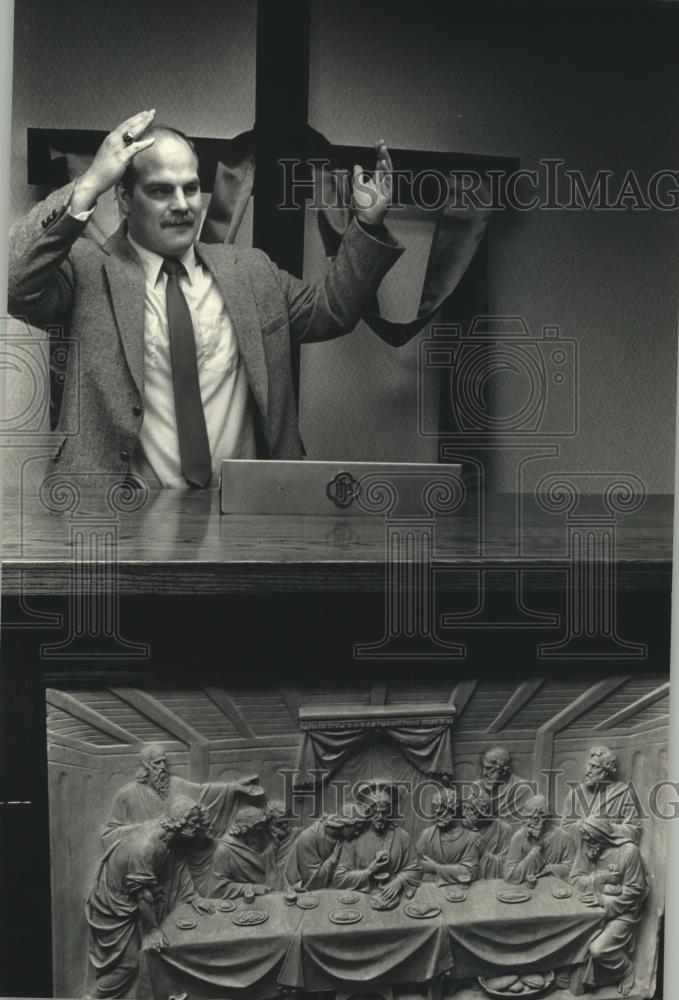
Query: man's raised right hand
[379,862]
[111,161]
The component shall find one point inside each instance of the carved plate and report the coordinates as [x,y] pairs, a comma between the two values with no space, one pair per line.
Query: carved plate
[422,911]
[514,896]
[345,916]
[455,896]
[349,898]
[307,902]
[562,892]
[248,918]
[226,906]
[529,992]
[186,923]
[378,903]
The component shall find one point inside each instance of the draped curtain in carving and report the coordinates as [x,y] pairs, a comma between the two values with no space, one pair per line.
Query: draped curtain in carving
[427,746]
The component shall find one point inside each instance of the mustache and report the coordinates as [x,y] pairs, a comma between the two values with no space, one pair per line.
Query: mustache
[160,780]
[180,220]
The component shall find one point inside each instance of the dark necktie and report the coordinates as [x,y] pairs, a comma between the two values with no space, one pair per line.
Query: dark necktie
[194,446]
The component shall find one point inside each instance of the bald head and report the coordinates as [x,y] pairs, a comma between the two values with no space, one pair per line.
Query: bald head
[159,194]
[497,755]
[168,143]
[150,752]
[153,771]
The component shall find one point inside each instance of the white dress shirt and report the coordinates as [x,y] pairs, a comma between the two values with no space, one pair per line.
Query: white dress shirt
[228,407]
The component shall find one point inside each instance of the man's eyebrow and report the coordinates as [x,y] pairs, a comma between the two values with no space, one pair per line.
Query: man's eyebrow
[168,184]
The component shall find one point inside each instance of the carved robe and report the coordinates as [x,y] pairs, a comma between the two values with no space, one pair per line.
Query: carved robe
[138,861]
[455,849]
[508,798]
[358,854]
[526,856]
[235,866]
[493,845]
[277,857]
[609,951]
[138,802]
[313,858]
[612,800]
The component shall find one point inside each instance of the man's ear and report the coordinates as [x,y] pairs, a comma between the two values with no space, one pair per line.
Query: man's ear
[123,199]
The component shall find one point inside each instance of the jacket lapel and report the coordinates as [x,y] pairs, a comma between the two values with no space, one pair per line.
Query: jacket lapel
[233,281]
[125,277]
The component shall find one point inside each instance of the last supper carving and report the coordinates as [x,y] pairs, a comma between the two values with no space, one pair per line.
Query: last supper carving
[394,841]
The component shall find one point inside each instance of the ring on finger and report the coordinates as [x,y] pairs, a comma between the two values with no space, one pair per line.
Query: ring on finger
[128,138]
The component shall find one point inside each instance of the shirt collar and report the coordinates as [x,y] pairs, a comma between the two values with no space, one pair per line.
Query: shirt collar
[152,262]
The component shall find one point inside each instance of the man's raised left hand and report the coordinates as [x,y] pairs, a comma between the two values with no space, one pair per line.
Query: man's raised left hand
[372,195]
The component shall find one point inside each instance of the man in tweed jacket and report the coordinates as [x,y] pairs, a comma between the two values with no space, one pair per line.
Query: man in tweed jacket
[107,298]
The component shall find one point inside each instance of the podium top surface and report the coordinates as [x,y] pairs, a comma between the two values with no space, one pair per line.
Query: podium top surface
[177,542]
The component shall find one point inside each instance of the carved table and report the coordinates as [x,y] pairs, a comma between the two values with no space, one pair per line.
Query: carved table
[303,950]
[103,591]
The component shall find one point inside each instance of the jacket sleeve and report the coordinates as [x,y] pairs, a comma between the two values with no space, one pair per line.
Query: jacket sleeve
[334,306]
[40,271]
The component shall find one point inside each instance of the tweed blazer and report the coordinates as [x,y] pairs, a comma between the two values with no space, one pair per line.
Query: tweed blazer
[97,294]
